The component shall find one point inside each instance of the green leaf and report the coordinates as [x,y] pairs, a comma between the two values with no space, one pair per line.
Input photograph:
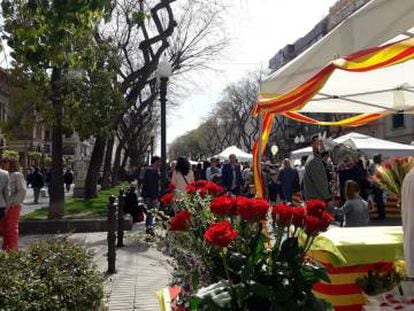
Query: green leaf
[195,279]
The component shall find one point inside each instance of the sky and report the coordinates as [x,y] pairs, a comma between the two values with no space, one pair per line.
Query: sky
[257,30]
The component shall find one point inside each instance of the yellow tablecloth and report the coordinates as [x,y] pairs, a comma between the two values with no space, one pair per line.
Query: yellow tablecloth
[348,253]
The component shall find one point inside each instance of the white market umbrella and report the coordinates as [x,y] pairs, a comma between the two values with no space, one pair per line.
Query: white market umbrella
[367,144]
[240,154]
[389,89]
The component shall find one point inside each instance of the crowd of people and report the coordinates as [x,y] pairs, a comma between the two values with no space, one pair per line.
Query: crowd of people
[346,187]
[37,179]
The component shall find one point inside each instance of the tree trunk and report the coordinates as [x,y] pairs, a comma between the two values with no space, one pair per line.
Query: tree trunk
[117,164]
[125,158]
[91,181]
[57,191]
[106,178]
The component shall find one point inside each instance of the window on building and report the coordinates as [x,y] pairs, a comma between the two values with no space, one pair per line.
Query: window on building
[398,121]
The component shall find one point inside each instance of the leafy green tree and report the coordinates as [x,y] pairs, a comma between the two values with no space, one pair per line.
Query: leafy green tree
[48,38]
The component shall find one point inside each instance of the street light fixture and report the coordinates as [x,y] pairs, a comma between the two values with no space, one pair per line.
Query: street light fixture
[164,73]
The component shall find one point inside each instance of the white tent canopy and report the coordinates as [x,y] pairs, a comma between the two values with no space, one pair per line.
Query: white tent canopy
[367,144]
[240,154]
[388,89]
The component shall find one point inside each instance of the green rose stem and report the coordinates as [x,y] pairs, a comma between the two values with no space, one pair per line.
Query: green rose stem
[308,243]
[226,267]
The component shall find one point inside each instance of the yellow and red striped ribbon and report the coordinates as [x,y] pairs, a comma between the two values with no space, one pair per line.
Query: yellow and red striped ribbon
[366,60]
[353,121]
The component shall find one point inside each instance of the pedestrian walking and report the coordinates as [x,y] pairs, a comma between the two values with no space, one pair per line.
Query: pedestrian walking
[213,173]
[68,179]
[37,182]
[182,174]
[231,174]
[151,192]
[289,180]
[17,186]
[315,180]
[131,203]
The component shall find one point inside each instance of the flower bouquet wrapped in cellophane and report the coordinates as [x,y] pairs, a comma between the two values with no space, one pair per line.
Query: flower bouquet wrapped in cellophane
[390,175]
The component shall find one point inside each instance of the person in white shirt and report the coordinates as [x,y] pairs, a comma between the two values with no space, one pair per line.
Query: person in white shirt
[17,190]
[213,173]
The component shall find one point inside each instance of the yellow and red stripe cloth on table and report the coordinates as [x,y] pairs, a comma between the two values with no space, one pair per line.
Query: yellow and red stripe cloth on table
[362,61]
[342,292]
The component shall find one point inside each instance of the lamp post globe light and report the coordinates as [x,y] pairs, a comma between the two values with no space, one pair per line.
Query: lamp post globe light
[164,73]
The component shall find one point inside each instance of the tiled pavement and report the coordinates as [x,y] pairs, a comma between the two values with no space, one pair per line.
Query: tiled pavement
[141,269]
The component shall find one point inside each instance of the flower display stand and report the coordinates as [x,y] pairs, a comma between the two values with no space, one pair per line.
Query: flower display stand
[349,253]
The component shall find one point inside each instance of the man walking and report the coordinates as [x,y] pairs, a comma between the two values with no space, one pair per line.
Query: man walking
[68,179]
[315,180]
[231,174]
[37,184]
[151,191]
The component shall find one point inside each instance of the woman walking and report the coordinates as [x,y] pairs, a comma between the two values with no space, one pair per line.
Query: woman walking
[17,187]
[182,175]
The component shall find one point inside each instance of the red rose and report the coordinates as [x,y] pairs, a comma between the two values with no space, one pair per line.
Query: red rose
[282,214]
[191,189]
[167,199]
[311,225]
[384,266]
[325,221]
[171,187]
[388,165]
[202,192]
[252,209]
[181,221]
[298,216]
[199,183]
[213,189]
[223,205]
[260,207]
[221,234]
[315,207]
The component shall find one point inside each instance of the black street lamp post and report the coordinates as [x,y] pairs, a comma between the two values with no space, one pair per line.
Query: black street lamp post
[164,73]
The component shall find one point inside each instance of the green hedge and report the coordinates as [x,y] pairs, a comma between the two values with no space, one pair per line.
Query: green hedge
[50,275]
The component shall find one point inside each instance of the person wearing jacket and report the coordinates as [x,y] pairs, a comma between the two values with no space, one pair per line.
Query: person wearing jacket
[315,180]
[231,176]
[288,180]
[151,191]
[37,182]
[17,190]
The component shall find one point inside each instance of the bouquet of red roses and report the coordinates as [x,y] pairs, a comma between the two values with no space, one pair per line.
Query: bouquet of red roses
[239,253]
[390,175]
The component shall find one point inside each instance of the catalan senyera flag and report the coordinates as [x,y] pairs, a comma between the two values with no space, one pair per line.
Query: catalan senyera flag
[353,121]
[267,123]
[362,61]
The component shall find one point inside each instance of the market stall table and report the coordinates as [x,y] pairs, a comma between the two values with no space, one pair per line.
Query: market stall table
[349,253]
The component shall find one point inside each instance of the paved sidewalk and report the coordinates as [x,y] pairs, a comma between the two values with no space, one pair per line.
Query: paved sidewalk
[141,269]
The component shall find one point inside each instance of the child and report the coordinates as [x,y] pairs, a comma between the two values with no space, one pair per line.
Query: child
[355,208]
